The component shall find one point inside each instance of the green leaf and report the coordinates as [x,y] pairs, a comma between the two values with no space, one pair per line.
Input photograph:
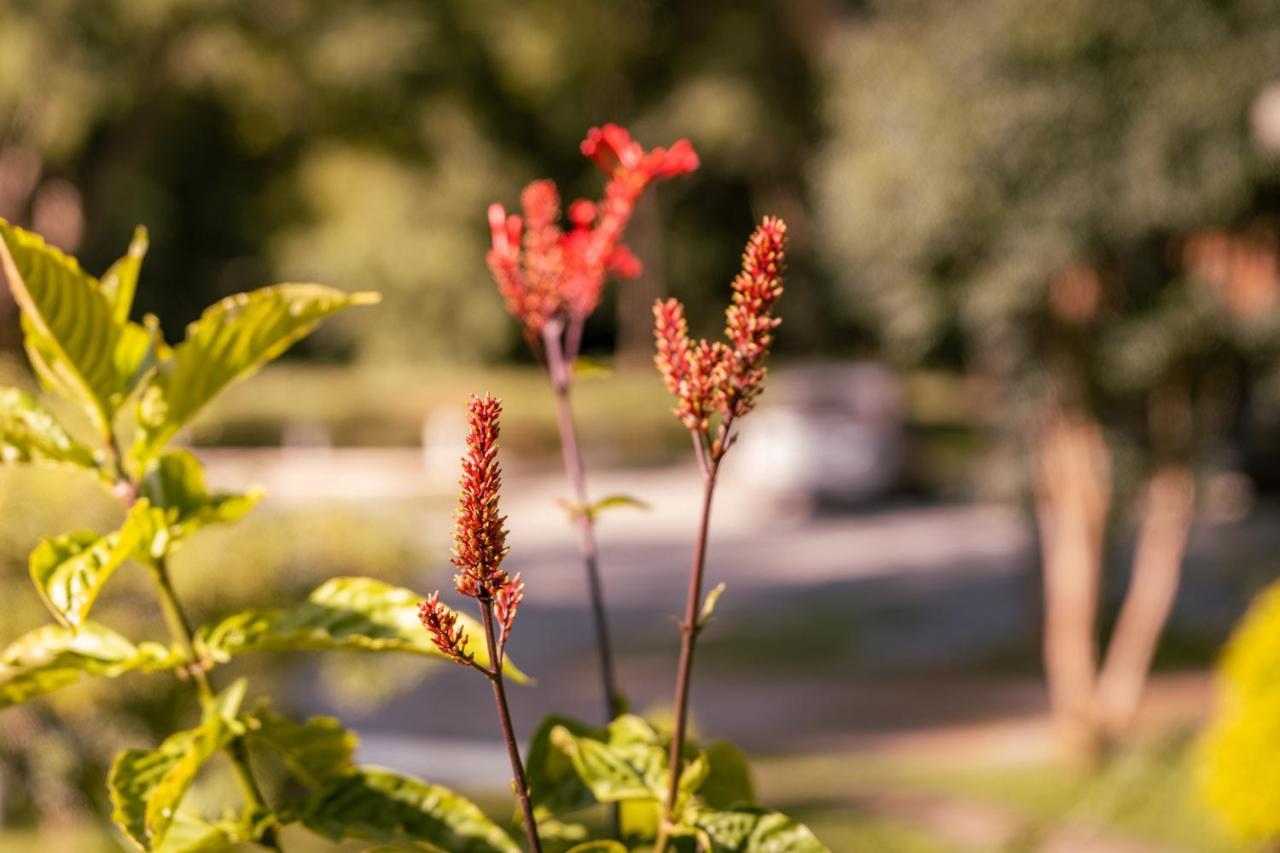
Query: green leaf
[147,785]
[53,657]
[174,483]
[344,613]
[189,833]
[554,785]
[606,846]
[593,510]
[232,340]
[316,752]
[628,763]
[71,332]
[29,433]
[709,605]
[750,830]
[728,782]
[121,280]
[378,805]
[70,570]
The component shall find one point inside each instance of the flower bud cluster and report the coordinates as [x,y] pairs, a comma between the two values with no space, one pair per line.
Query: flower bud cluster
[714,377]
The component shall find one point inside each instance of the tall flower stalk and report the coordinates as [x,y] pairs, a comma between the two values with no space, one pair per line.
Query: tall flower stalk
[551,280]
[479,547]
[715,383]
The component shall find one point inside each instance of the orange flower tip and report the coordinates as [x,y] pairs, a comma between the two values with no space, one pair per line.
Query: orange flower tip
[612,146]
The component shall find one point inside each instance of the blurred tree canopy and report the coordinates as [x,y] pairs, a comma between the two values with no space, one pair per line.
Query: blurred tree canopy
[359,143]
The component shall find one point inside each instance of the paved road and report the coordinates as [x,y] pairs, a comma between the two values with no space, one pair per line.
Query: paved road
[833,625]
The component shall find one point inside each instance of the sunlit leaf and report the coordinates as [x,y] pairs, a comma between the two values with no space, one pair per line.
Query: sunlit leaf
[147,785]
[189,833]
[69,571]
[628,763]
[29,433]
[316,751]
[232,340]
[344,613]
[53,657]
[709,605]
[554,786]
[120,281]
[174,484]
[71,332]
[574,509]
[728,781]
[750,830]
[382,806]
[606,846]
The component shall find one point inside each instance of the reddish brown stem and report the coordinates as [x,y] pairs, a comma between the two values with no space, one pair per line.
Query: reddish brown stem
[689,630]
[518,781]
[558,370]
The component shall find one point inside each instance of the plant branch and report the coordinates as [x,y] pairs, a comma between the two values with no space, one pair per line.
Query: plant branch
[508,732]
[689,630]
[558,370]
[183,634]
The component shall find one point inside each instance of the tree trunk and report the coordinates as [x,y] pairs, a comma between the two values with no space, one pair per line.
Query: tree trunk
[1153,584]
[1073,497]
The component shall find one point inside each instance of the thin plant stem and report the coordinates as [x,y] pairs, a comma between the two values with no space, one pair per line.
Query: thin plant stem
[689,630]
[182,633]
[518,781]
[558,372]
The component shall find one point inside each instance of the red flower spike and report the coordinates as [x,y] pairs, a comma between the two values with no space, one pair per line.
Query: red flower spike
[749,324]
[541,271]
[479,537]
[709,376]
[506,603]
[441,622]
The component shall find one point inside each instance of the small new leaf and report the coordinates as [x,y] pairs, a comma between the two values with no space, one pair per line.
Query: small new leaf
[574,509]
[231,341]
[53,657]
[709,605]
[360,614]
[385,807]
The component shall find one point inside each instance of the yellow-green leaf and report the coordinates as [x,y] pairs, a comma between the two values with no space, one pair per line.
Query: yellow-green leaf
[147,785]
[382,806]
[316,751]
[232,340]
[343,613]
[174,483]
[72,335]
[29,433]
[120,281]
[52,657]
[749,830]
[69,571]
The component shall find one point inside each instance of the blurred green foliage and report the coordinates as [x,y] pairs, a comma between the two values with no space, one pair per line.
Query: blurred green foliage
[360,143]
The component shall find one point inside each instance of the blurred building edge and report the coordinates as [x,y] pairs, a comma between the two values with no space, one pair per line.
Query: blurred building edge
[832,434]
